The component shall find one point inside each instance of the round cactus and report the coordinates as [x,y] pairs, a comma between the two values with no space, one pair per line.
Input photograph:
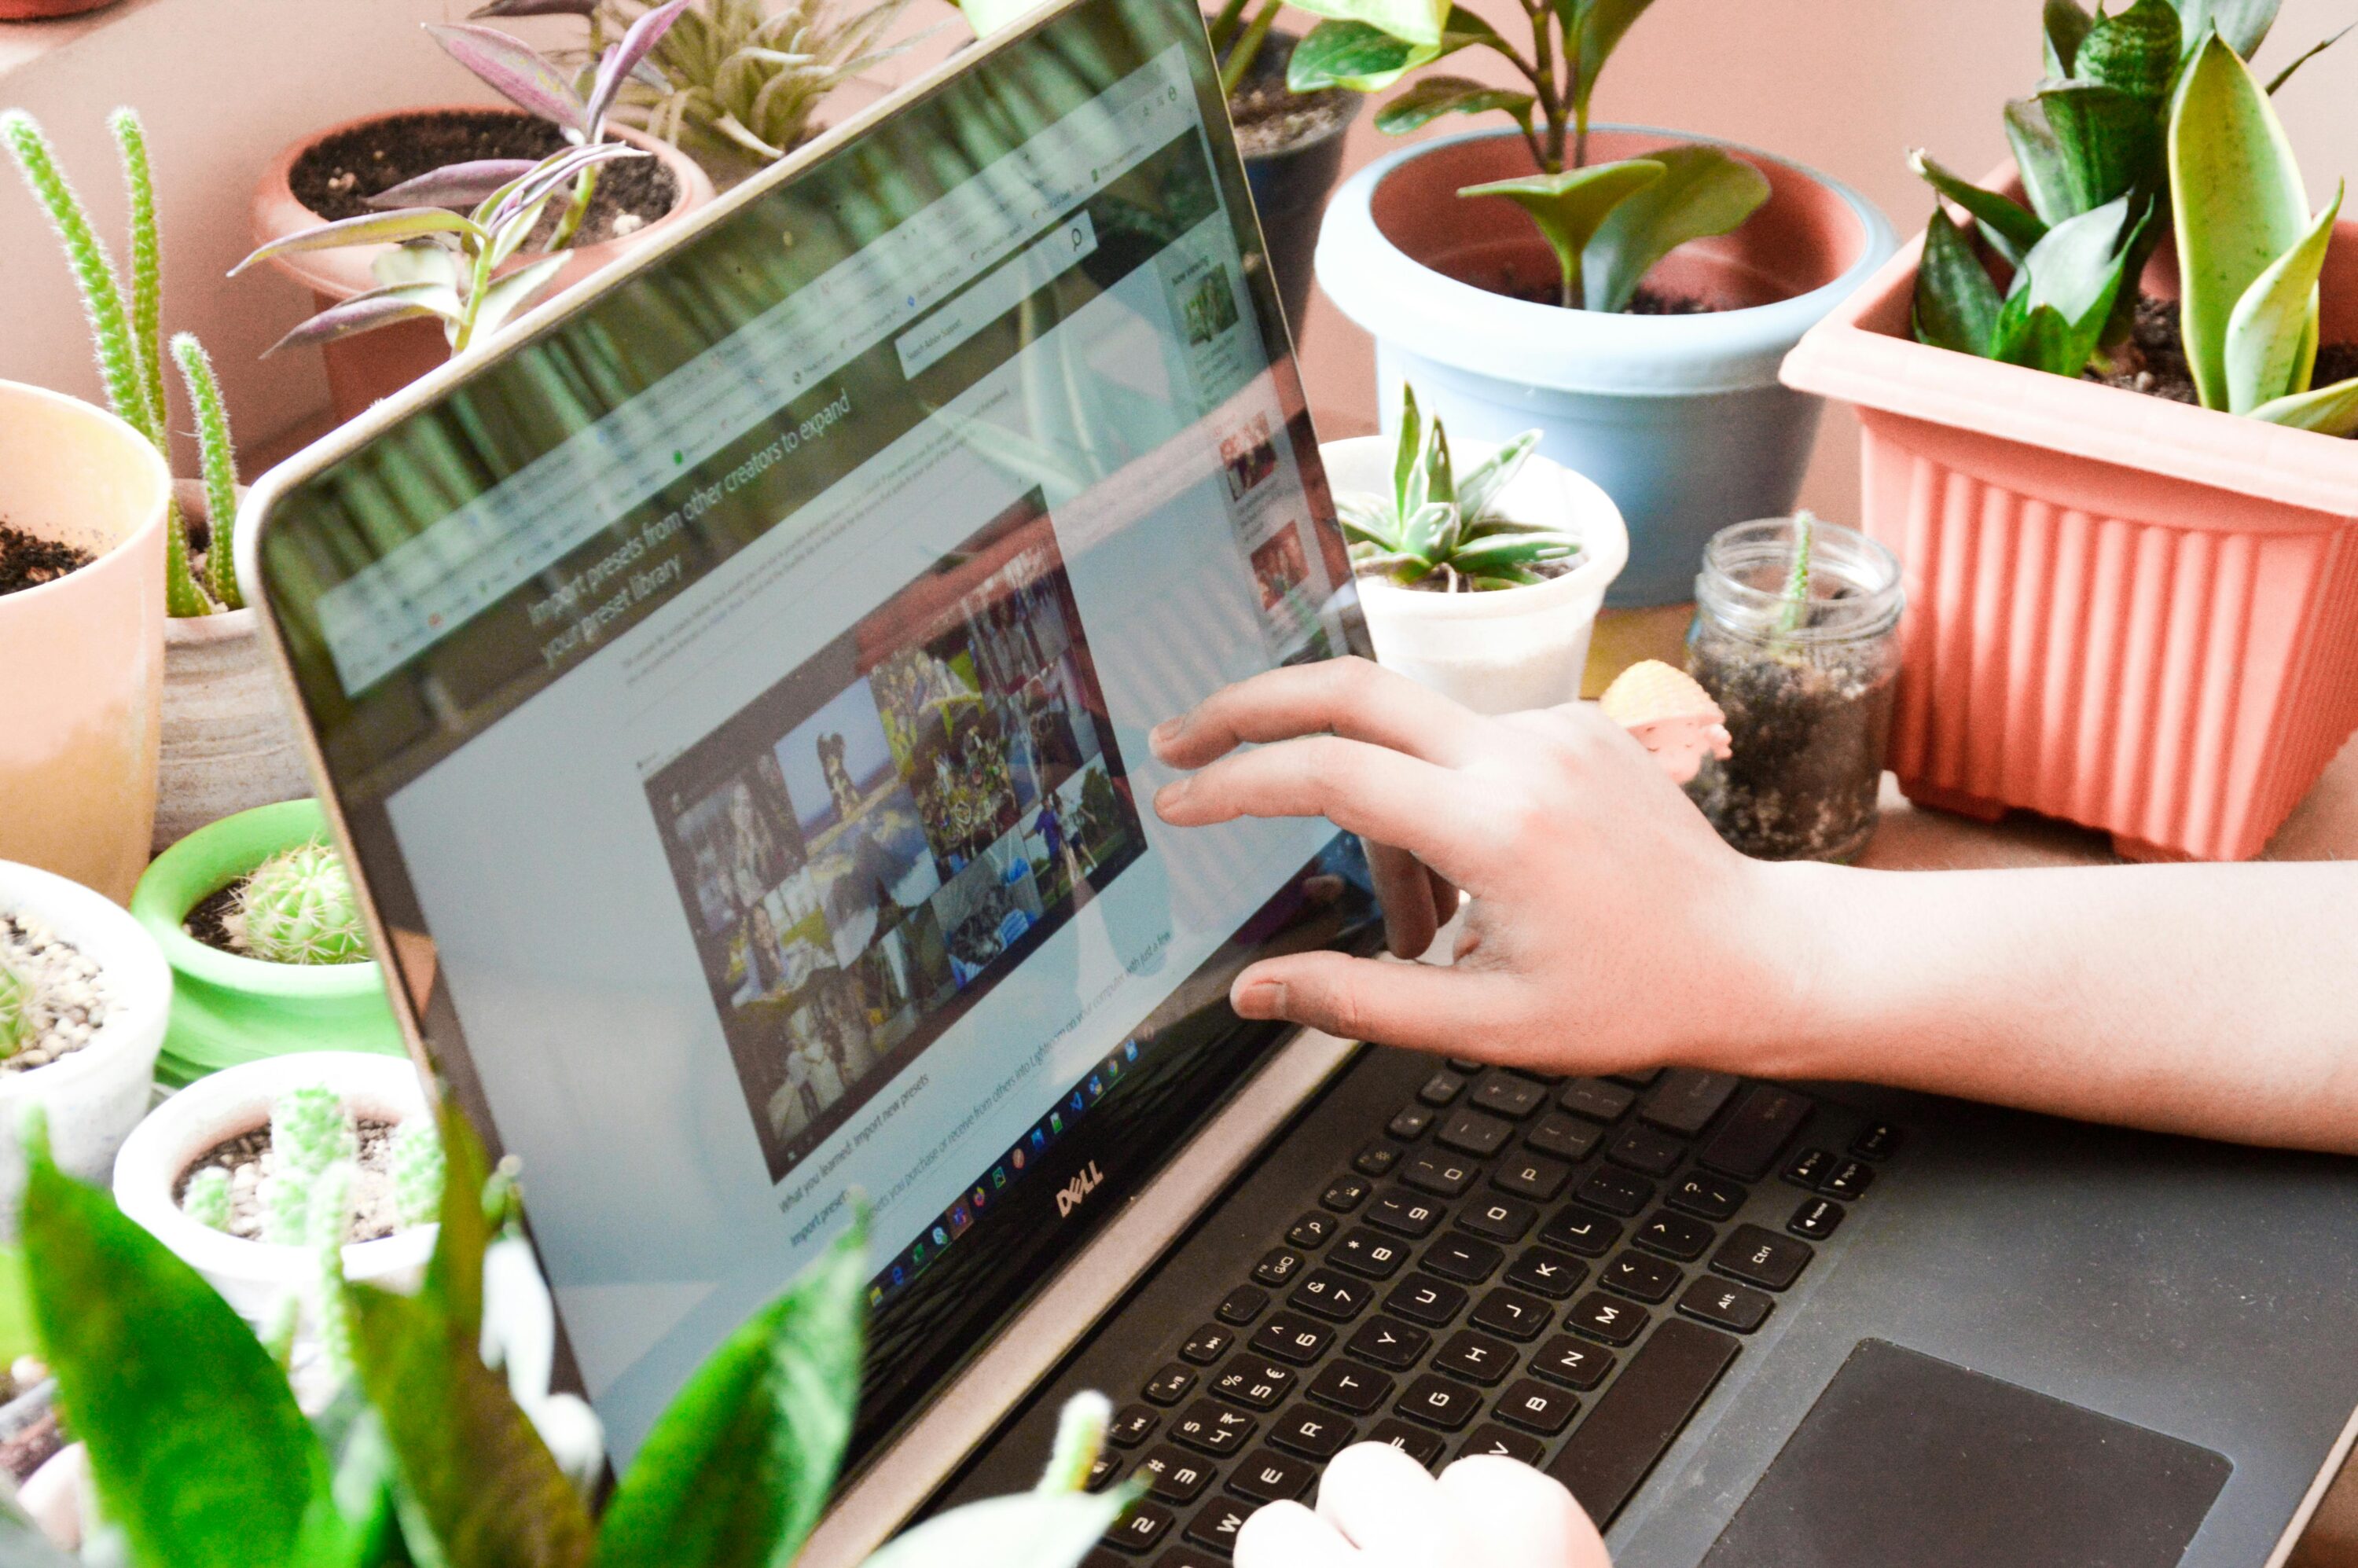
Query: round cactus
[297,908]
[16,1012]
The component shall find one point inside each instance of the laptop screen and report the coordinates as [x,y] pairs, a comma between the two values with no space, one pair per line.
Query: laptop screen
[735,694]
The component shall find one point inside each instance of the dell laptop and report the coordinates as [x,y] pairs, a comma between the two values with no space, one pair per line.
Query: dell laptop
[732,688]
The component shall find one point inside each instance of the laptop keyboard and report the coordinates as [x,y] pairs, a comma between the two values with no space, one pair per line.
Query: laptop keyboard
[1550,1269]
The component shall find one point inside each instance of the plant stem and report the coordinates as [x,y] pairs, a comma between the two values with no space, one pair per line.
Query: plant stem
[585,189]
[1552,98]
[1222,27]
[1239,63]
[478,283]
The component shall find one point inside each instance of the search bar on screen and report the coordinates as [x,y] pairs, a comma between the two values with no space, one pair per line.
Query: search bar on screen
[1048,258]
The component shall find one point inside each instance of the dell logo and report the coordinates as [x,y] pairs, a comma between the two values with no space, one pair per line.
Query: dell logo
[1077,1191]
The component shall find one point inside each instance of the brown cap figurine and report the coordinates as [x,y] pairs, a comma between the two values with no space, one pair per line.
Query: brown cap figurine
[1671,716]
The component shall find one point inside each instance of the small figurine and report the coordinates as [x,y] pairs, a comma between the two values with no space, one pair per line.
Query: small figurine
[1671,716]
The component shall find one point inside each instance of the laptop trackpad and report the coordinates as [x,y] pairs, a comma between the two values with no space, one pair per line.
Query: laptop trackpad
[1908,1462]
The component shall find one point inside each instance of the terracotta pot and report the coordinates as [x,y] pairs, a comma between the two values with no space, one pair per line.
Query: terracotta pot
[46,10]
[81,659]
[2128,612]
[373,365]
[229,735]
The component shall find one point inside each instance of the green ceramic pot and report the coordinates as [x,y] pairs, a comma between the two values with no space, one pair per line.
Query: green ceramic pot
[227,1009]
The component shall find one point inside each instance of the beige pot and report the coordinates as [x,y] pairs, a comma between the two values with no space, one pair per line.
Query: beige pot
[81,659]
[229,736]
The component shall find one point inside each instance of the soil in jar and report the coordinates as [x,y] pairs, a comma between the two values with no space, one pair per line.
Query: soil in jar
[66,988]
[248,1159]
[27,560]
[1808,731]
[336,175]
[2153,361]
[1270,119]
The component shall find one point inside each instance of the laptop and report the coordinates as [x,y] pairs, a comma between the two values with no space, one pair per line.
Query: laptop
[731,691]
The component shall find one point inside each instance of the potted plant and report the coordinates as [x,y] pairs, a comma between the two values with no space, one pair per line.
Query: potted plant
[83,995]
[47,10]
[1482,584]
[268,951]
[419,232]
[2124,610]
[1635,307]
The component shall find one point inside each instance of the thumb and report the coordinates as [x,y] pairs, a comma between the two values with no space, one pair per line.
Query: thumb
[1417,1005]
[1511,1516]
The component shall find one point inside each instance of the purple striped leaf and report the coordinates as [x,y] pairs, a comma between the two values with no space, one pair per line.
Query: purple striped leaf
[535,8]
[558,169]
[513,70]
[456,184]
[625,56]
[371,229]
[366,312]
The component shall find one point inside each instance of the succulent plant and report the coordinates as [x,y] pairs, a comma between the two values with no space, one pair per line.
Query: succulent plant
[207,1199]
[310,1130]
[16,1012]
[298,907]
[1435,520]
[418,1172]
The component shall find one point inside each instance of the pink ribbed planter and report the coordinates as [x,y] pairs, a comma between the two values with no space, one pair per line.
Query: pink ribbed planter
[2130,613]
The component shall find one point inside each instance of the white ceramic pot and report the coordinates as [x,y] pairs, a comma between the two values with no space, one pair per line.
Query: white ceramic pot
[95,1095]
[254,1276]
[1514,648]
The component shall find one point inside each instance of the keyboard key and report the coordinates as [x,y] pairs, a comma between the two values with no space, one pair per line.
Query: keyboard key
[1404,1213]
[1581,1230]
[1350,1387]
[1140,1528]
[1131,1425]
[1512,1314]
[1875,1140]
[1465,1259]
[1537,1406]
[1616,1191]
[1716,1302]
[1445,1174]
[1410,1123]
[1169,1386]
[1442,1088]
[1418,1444]
[1277,1269]
[1501,1219]
[1761,1257]
[1608,1318]
[1185,1557]
[1101,1558]
[1596,1099]
[1472,1132]
[1636,1275]
[1467,1065]
[1311,1230]
[1174,1476]
[1375,1160]
[1476,1357]
[1254,1383]
[1331,1296]
[1242,1305]
[1369,1252]
[1263,1477]
[1533,1176]
[1102,1470]
[1424,1299]
[1747,1142]
[1312,1433]
[1506,1094]
[1213,1429]
[1443,1402]
[1685,1099]
[1565,1136]
[1571,1362]
[1346,1194]
[1291,1338]
[1642,1149]
[1207,1344]
[1638,1079]
[1216,1526]
[1611,1451]
[1674,1236]
[1816,1220]
[1498,1442]
[1387,1342]
[1550,1273]
[1711,1198]
[1849,1182]
[1809,1167]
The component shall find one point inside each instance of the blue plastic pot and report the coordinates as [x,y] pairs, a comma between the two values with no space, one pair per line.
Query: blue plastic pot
[1679,418]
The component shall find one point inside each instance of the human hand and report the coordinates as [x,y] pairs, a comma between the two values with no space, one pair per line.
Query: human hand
[1380,1508]
[1608,925]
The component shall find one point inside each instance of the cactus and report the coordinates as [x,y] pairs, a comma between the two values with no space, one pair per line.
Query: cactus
[310,1130]
[297,908]
[16,1012]
[216,460]
[330,1217]
[417,1171]
[207,1199]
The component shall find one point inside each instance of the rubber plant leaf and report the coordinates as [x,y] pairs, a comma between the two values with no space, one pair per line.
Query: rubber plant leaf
[1478,487]
[2236,200]
[2109,143]
[1703,192]
[1956,304]
[2065,24]
[456,184]
[1419,22]
[2311,53]
[196,1447]
[1433,96]
[2038,160]
[735,1472]
[1570,207]
[2135,51]
[2243,24]
[1026,1529]
[637,42]
[1355,55]
[369,229]
[2010,227]
[513,70]
[510,293]
[2329,410]
[2271,345]
[367,312]
[1596,26]
[2055,314]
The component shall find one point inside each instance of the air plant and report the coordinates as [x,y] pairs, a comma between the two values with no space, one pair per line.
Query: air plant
[1607,224]
[1437,522]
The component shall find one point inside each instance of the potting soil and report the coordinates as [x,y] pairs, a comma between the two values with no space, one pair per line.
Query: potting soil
[27,560]
[248,1159]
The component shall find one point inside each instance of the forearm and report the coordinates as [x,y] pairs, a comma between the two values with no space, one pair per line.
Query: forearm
[2218,1000]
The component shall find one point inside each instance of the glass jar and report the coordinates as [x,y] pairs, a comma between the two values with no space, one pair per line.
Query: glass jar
[1805,681]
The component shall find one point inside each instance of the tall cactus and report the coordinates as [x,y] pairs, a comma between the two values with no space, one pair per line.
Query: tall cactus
[417,1171]
[310,1130]
[16,1012]
[217,458]
[332,1194]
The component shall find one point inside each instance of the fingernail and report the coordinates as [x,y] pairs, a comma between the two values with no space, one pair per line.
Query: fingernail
[1261,998]
[1163,734]
[1170,794]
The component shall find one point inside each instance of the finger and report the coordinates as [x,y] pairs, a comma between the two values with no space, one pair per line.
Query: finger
[1383,1501]
[1404,888]
[1350,697]
[1386,797]
[1287,1535]
[1510,1515]
[1419,1005]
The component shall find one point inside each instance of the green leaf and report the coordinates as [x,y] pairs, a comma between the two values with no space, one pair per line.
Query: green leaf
[1435,96]
[508,295]
[454,1273]
[1440,473]
[1570,207]
[1422,530]
[2065,24]
[1408,491]
[2329,410]
[1026,1529]
[1597,26]
[198,1450]
[1703,192]
[2055,314]
[735,1473]
[2109,142]
[2010,228]
[2243,24]
[1530,549]
[2236,199]
[2311,53]
[370,229]
[2135,51]
[2272,334]
[1365,519]
[2039,160]
[1356,55]
[1478,487]
[1956,304]
[1411,21]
